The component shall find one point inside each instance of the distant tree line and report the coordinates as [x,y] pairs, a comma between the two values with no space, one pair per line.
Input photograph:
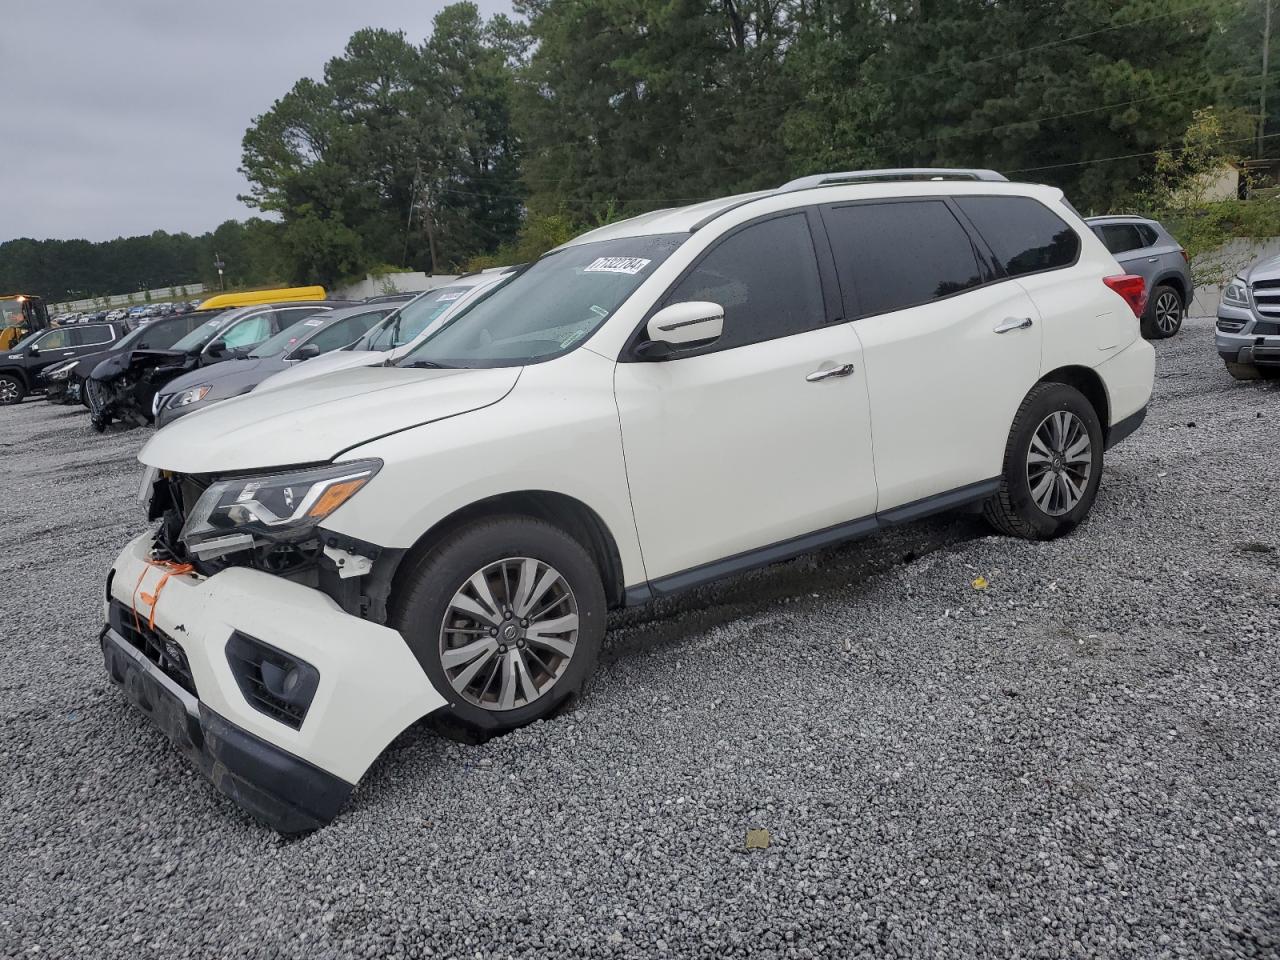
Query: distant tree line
[492,140]
[79,269]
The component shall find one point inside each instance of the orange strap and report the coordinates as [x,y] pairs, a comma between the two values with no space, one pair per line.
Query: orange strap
[170,568]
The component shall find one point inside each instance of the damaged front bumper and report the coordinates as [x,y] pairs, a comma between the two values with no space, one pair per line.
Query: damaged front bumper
[175,642]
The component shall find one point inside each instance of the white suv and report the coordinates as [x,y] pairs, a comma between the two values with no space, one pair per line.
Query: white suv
[656,404]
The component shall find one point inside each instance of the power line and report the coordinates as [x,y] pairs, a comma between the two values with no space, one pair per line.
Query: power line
[1126,156]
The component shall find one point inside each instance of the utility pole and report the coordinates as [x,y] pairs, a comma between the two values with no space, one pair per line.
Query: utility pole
[1262,86]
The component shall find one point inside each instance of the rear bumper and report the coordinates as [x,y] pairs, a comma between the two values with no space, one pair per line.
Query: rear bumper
[284,792]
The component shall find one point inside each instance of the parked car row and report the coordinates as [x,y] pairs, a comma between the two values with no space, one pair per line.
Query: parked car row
[130,316]
[435,521]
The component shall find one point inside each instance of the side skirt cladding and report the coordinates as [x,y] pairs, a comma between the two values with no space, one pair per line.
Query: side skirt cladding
[789,549]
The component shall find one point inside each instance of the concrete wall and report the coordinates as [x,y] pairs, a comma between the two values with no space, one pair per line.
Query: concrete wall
[392,283]
[1225,263]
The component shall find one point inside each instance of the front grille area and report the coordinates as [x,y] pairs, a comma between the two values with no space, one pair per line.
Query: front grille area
[1266,297]
[1267,328]
[157,646]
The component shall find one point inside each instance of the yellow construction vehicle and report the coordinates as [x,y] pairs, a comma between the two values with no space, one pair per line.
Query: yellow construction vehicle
[20,315]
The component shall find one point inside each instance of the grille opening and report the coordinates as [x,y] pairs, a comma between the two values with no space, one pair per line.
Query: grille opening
[156,645]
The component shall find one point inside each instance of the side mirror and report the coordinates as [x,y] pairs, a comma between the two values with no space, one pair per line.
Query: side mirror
[307,351]
[217,348]
[33,351]
[682,326]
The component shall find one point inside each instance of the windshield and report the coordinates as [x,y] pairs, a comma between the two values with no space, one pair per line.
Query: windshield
[200,336]
[411,319]
[160,335]
[290,335]
[549,308]
[11,313]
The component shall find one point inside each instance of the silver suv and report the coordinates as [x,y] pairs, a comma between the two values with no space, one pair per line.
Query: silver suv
[1248,328]
[1146,248]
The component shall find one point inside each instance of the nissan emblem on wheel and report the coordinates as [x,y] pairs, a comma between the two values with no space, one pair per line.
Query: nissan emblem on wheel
[656,404]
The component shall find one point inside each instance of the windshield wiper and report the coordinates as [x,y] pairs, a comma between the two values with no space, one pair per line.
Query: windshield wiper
[430,365]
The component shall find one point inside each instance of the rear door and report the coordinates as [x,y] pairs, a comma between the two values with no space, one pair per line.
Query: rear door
[951,348]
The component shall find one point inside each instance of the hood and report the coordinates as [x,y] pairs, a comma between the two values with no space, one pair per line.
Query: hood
[1263,270]
[315,420]
[230,374]
[319,366]
[119,362]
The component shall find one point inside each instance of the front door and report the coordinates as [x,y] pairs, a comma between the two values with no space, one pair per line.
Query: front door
[761,437]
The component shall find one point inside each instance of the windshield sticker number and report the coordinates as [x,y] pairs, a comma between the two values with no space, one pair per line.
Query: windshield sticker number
[628,265]
[312,323]
[446,297]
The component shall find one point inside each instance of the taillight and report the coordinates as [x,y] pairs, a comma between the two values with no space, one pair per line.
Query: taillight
[1132,288]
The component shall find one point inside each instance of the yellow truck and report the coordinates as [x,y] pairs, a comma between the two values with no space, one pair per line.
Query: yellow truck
[20,314]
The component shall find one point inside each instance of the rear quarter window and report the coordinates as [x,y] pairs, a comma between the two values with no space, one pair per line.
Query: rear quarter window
[1025,235]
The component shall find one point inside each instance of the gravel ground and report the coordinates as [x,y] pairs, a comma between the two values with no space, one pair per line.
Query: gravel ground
[1080,760]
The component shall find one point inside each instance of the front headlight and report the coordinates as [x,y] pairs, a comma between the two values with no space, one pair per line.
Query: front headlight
[237,514]
[187,397]
[1236,294]
[61,371]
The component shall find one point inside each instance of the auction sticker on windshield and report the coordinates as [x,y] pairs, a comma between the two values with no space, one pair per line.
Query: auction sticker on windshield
[630,265]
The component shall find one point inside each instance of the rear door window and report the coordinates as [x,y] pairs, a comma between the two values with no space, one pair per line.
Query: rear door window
[899,254]
[1119,237]
[1024,234]
[766,278]
[92,336]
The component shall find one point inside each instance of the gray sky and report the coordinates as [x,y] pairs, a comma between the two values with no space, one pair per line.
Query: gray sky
[120,117]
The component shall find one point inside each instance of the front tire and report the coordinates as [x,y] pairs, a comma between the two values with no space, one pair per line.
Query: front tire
[12,390]
[1052,465]
[506,617]
[1163,316]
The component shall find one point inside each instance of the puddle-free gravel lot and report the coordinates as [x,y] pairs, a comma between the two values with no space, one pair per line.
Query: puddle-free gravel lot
[1081,760]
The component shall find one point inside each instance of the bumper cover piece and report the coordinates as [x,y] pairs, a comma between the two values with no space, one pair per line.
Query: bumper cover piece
[285,792]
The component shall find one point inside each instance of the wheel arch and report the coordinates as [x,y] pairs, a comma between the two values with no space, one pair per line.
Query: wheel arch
[1088,382]
[1173,279]
[561,510]
[19,374]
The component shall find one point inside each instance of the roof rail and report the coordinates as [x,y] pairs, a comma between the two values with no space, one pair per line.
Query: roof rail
[892,173]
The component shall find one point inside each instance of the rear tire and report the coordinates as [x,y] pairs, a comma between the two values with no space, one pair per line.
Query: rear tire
[1163,316]
[12,389]
[470,609]
[1052,465]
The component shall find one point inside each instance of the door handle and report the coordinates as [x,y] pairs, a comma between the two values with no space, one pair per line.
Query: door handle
[841,371]
[69,353]
[1153,259]
[1012,323]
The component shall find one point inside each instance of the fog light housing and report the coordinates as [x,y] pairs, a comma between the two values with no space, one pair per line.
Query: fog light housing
[272,681]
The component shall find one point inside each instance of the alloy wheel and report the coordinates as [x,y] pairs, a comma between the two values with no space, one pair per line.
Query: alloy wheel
[8,392]
[1168,310]
[509,633]
[1059,463]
